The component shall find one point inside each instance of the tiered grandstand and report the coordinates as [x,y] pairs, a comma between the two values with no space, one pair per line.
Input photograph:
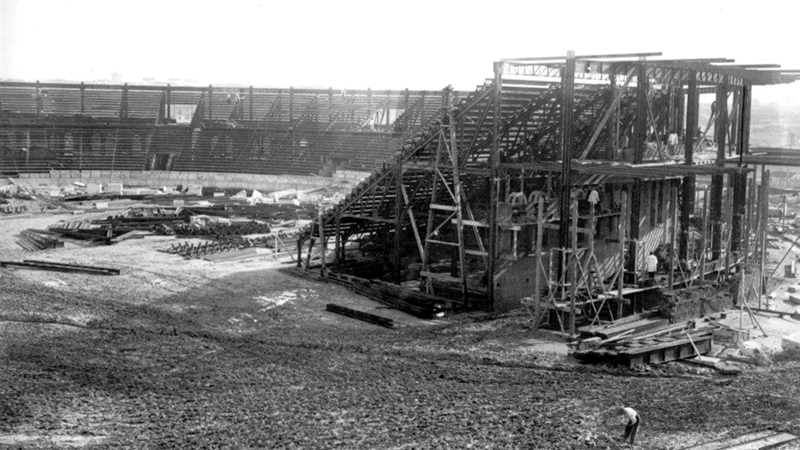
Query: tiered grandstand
[56,126]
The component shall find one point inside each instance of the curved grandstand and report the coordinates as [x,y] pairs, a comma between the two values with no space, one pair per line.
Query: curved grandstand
[57,126]
[480,198]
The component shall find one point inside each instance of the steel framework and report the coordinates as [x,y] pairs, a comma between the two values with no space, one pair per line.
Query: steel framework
[496,183]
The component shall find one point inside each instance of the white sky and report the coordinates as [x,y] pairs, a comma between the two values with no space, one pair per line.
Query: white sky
[411,44]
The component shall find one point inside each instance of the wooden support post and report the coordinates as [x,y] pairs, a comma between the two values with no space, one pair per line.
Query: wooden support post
[726,225]
[83,98]
[169,103]
[623,220]
[210,102]
[612,129]
[764,224]
[494,159]
[748,219]
[590,241]
[633,232]
[692,119]
[573,267]
[251,100]
[717,181]
[705,235]
[398,221]
[323,244]
[639,140]
[567,113]
[300,250]
[673,218]
[338,252]
[537,288]
[291,104]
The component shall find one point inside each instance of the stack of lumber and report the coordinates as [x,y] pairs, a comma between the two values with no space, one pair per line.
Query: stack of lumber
[33,240]
[412,302]
[648,340]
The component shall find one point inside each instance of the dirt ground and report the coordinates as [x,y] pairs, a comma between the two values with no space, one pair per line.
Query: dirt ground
[178,353]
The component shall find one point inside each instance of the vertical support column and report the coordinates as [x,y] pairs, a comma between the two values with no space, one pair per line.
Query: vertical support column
[339,245]
[623,213]
[422,108]
[673,218]
[169,103]
[717,181]
[639,143]
[704,250]
[398,220]
[633,230]
[744,120]
[734,121]
[323,244]
[250,97]
[681,110]
[763,231]
[210,102]
[687,204]
[613,142]
[493,181]
[740,180]
[537,285]
[123,107]
[81,129]
[291,104]
[567,113]
[39,101]
[330,105]
[639,140]
[573,262]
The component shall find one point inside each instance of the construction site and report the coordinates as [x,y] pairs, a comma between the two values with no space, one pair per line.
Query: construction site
[247,267]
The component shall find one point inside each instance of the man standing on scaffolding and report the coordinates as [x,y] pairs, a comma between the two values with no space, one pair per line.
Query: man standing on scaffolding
[651,265]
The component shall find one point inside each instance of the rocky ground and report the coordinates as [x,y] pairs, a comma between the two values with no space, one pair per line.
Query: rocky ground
[194,354]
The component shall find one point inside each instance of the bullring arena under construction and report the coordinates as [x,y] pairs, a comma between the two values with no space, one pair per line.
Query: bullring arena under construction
[245,267]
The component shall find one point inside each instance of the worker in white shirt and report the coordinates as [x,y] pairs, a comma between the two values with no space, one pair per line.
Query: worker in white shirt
[631,419]
[672,143]
[651,265]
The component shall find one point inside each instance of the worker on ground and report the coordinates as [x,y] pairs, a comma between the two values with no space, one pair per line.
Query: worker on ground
[631,419]
[651,264]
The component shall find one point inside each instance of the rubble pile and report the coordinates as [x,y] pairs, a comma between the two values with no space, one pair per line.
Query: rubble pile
[702,299]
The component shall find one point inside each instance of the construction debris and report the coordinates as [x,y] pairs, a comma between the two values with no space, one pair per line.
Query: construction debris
[32,240]
[360,315]
[645,338]
[415,303]
[60,267]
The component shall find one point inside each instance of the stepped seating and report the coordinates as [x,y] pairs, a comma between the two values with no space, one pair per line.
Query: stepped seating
[120,127]
[20,100]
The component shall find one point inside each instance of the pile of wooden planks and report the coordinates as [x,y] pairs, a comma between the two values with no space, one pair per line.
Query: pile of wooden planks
[415,303]
[643,340]
[33,240]
[360,315]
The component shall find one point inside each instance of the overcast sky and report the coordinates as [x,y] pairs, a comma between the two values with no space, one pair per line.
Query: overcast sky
[412,44]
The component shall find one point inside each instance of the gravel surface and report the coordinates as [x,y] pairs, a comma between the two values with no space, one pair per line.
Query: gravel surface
[193,354]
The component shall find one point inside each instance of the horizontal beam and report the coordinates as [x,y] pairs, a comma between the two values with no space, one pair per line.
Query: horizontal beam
[204,89]
[562,57]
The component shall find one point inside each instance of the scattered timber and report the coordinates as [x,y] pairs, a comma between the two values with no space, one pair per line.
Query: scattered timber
[60,267]
[415,303]
[360,315]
